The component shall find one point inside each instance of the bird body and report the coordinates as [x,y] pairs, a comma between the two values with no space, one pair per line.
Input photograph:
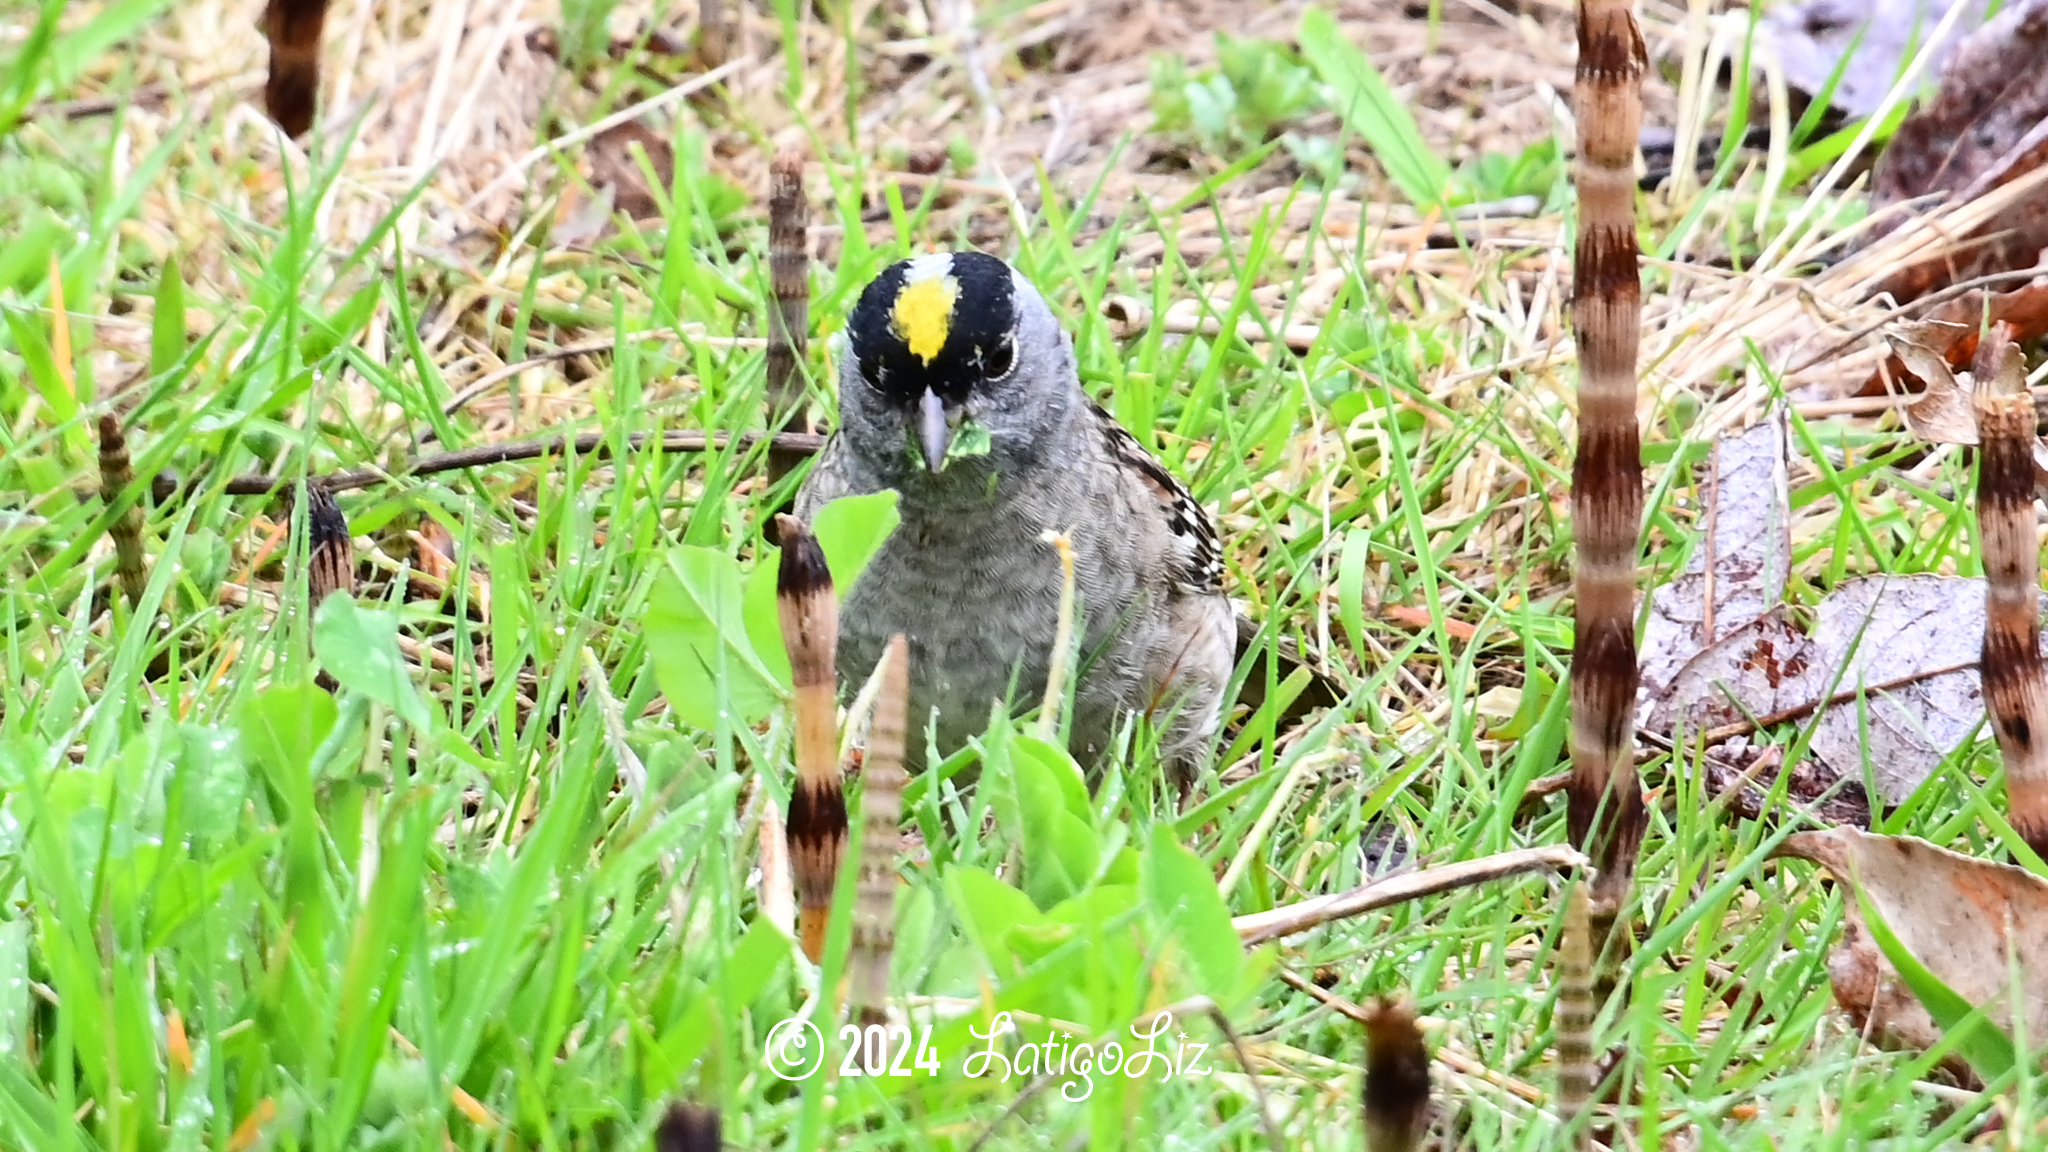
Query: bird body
[957,349]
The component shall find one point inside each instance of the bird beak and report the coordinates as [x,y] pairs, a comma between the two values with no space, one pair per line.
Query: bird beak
[934,434]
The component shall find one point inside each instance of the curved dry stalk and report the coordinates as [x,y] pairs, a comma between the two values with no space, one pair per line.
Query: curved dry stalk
[817,801]
[1062,640]
[1605,812]
[881,812]
[2014,688]
[1396,1079]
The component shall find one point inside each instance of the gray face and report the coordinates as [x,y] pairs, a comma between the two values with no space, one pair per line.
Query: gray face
[954,376]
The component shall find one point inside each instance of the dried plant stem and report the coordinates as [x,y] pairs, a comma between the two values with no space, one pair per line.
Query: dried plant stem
[292,92]
[1258,927]
[789,273]
[116,475]
[1396,1079]
[2014,688]
[330,550]
[689,1128]
[817,801]
[882,780]
[1062,640]
[1605,805]
[1576,1071]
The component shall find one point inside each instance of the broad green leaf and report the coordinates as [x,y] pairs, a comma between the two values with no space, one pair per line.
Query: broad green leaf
[991,911]
[1368,107]
[283,726]
[763,617]
[359,647]
[15,1008]
[698,637]
[1182,894]
[1061,850]
[851,530]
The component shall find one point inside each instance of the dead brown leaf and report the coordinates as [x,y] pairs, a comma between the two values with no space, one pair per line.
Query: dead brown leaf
[1950,331]
[1944,414]
[1987,126]
[613,165]
[1970,921]
[1722,651]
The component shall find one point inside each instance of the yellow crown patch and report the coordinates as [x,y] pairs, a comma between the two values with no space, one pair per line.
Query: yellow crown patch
[924,315]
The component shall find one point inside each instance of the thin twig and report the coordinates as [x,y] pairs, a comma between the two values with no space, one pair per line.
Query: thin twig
[1291,919]
[485,455]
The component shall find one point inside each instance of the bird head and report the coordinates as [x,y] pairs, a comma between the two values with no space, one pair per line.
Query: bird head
[952,357]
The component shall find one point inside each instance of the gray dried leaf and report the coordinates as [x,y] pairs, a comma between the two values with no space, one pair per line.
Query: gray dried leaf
[1890,666]
[1738,569]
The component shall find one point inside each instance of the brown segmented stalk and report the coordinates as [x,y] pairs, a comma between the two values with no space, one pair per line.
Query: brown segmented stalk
[881,844]
[293,90]
[116,475]
[1396,1079]
[817,802]
[1605,810]
[789,275]
[330,550]
[2014,689]
[689,1128]
[1576,1072]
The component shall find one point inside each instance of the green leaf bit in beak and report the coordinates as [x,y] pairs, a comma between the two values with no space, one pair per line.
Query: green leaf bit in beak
[969,439]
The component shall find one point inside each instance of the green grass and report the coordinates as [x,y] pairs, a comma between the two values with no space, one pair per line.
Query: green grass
[510,900]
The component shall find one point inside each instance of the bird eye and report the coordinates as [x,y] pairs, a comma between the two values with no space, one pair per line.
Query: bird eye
[999,358]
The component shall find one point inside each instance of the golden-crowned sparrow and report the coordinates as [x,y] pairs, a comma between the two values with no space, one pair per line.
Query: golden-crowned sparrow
[958,389]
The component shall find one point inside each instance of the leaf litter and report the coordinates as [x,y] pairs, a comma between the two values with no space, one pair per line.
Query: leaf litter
[1980,928]
[1986,127]
[1886,672]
